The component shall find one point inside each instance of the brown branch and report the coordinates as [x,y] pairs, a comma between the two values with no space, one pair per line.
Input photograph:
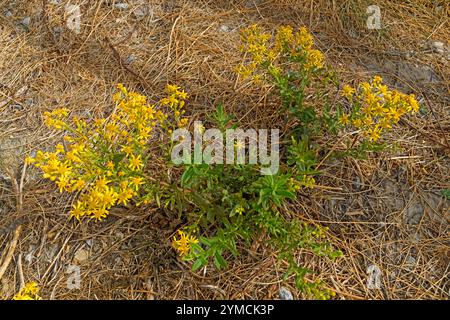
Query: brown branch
[12,247]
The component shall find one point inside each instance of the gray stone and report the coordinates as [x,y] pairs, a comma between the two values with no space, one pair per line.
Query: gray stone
[285,294]
[130,59]
[26,21]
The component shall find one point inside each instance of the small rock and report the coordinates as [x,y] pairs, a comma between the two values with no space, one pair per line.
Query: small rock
[26,21]
[121,6]
[130,59]
[16,106]
[224,28]
[29,102]
[357,185]
[8,14]
[81,255]
[285,294]
[438,47]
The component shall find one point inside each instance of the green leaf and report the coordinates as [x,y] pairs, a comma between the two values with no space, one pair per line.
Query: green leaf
[219,261]
[187,176]
[197,264]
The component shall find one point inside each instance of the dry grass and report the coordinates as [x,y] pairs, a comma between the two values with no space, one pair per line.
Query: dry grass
[369,205]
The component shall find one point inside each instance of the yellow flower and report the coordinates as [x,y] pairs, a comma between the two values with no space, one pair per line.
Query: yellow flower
[344,119]
[413,105]
[137,181]
[127,149]
[377,80]
[239,209]
[366,87]
[183,122]
[99,213]
[135,163]
[110,165]
[109,197]
[184,243]
[28,292]
[385,124]
[124,196]
[62,183]
[368,120]
[357,122]
[348,92]
[314,59]
[79,184]
[60,148]
[378,109]
[171,88]
[374,133]
[78,210]
[370,99]
[101,183]
[30,160]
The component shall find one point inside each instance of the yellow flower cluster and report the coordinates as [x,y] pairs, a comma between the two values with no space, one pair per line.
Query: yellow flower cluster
[28,292]
[184,243]
[375,107]
[175,101]
[262,52]
[239,209]
[105,161]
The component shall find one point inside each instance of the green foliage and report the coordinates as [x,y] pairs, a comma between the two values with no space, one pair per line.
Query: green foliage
[446,193]
[228,204]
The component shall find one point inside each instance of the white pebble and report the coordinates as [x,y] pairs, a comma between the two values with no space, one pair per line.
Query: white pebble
[121,6]
[224,28]
[438,47]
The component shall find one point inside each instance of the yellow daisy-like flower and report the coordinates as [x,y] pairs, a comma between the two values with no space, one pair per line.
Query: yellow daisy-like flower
[374,133]
[125,195]
[78,210]
[344,119]
[184,243]
[357,122]
[28,292]
[413,105]
[135,163]
[136,182]
[127,149]
[239,209]
[348,91]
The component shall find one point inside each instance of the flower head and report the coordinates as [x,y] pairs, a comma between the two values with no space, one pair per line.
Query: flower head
[184,243]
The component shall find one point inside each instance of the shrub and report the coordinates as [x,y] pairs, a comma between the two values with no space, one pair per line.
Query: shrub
[114,161]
